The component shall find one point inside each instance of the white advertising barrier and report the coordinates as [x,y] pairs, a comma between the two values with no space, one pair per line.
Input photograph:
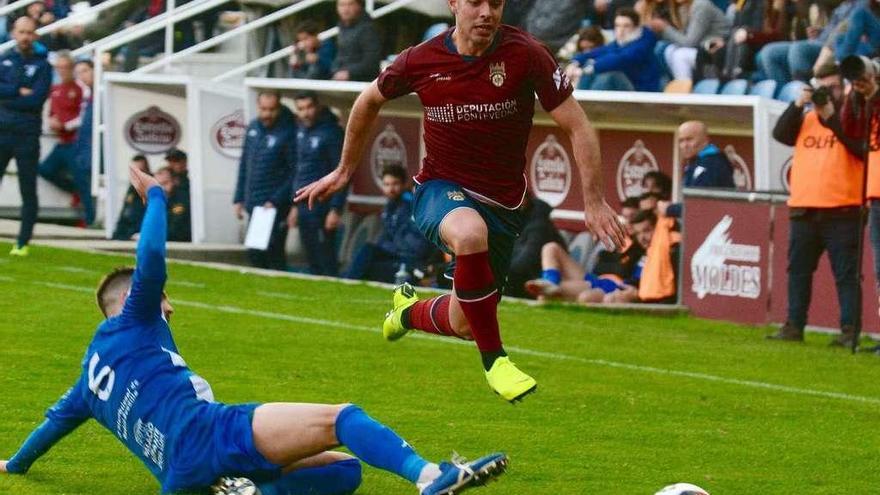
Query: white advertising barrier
[218,120]
[144,115]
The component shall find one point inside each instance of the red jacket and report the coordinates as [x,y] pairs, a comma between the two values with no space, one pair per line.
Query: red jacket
[66,104]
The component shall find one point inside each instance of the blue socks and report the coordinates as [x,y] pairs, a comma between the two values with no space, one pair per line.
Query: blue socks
[552,275]
[377,445]
[339,478]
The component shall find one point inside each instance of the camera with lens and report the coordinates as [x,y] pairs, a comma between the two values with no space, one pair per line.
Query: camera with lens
[821,94]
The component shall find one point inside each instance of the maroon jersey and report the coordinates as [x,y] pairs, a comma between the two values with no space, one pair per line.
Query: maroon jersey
[478,110]
[65,104]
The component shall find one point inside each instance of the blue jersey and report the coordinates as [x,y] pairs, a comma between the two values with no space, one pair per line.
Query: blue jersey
[133,380]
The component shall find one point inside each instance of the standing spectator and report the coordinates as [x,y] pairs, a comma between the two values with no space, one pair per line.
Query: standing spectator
[267,164]
[311,58]
[864,22]
[705,165]
[25,79]
[824,207]
[756,23]
[785,61]
[400,242]
[132,214]
[318,149]
[176,160]
[696,24]
[625,64]
[525,264]
[263,41]
[359,49]
[82,174]
[66,104]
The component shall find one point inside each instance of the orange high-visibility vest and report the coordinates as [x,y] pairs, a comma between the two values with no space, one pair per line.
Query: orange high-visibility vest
[823,173]
[658,275]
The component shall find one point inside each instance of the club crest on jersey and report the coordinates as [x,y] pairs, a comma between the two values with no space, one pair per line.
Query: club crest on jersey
[497,74]
[455,195]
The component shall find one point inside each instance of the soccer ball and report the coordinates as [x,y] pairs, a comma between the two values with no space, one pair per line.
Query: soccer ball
[682,489]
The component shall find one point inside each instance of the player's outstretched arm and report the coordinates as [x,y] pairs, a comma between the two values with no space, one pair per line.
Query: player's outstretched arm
[360,121]
[600,219]
[145,299]
[62,418]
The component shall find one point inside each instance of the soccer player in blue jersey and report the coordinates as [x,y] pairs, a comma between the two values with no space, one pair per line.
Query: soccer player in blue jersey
[135,383]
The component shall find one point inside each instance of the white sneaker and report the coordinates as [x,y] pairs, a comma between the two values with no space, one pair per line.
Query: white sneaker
[234,486]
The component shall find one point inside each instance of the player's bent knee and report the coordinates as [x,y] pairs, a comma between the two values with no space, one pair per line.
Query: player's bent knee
[349,474]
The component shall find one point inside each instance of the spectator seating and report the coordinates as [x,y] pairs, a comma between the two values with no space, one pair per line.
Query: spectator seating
[735,87]
[434,30]
[791,91]
[765,88]
[707,87]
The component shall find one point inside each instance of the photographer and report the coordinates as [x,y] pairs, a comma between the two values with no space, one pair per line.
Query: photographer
[861,108]
[824,204]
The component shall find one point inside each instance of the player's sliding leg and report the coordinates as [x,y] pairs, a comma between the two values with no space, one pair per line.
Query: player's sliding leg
[328,473]
[286,433]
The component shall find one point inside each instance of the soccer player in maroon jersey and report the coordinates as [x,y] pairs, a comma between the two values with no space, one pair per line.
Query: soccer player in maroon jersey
[477,82]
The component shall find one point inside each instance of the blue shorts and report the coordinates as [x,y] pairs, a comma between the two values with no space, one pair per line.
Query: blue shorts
[606,285]
[435,199]
[220,442]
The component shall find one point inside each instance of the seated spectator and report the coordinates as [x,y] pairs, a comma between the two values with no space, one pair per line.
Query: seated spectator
[590,38]
[66,103]
[705,165]
[359,48]
[756,23]
[863,23]
[784,61]
[696,25]
[658,272]
[525,262]
[132,214]
[648,201]
[312,58]
[400,243]
[658,183]
[625,64]
[553,22]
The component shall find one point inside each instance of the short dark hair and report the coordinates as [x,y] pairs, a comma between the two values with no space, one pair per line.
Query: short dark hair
[309,26]
[644,215]
[175,155]
[662,180]
[111,286]
[269,92]
[306,95]
[630,202]
[139,158]
[592,34]
[394,171]
[649,195]
[628,12]
[85,61]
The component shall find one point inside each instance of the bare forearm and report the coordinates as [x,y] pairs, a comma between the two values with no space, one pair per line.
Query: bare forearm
[361,120]
[585,143]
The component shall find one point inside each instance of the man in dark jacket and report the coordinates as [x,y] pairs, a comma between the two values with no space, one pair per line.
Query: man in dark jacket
[267,164]
[359,49]
[705,165]
[132,214]
[400,242]
[318,149]
[525,264]
[25,79]
[626,64]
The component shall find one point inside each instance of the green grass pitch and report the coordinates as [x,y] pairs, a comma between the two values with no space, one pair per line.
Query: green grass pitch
[625,403]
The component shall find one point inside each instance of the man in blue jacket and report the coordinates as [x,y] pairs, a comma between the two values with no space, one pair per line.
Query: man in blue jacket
[625,64]
[318,148]
[400,241]
[705,165]
[25,79]
[267,163]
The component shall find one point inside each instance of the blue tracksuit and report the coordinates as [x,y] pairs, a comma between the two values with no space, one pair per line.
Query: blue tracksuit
[319,148]
[136,385]
[264,175]
[20,126]
[710,168]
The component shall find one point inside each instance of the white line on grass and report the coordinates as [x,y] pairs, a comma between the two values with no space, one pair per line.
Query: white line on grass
[519,350]
[6,279]
[184,283]
[76,269]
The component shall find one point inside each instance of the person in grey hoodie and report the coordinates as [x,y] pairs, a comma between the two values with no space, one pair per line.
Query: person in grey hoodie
[695,24]
[359,48]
